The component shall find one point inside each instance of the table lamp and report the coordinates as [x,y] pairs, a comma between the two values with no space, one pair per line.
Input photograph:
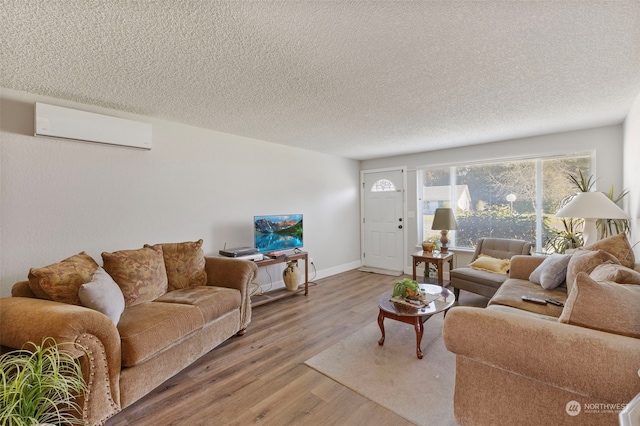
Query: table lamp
[444,220]
[591,206]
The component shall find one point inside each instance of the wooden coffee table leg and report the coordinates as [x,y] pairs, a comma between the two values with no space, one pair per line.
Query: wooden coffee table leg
[419,330]
[381,324]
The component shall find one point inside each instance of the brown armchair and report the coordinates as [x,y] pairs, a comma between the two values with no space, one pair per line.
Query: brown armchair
[483,282]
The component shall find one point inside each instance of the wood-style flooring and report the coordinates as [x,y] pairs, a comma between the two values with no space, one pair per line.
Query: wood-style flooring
[260,378]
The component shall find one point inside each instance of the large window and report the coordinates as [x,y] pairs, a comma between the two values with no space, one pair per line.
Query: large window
[511,199]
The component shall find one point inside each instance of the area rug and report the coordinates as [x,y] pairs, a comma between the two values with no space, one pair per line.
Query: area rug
[419,390]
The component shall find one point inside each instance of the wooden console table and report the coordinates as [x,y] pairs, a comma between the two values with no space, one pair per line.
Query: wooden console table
[278,294]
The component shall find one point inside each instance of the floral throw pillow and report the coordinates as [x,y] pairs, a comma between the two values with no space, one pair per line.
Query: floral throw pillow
[140,274]
[60,282]
[619,246]
[184,263]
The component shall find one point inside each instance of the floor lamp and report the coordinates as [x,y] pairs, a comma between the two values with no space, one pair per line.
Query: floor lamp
[591,206]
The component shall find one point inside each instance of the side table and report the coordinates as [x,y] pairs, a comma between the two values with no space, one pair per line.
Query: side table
[437,259]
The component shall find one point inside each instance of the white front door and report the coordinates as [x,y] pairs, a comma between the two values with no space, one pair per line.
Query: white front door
[383,222]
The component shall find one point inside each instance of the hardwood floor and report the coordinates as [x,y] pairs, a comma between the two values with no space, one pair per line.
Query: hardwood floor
[260,378]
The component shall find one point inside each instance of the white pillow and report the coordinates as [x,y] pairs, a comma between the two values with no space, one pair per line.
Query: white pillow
[551,272]
[103,294]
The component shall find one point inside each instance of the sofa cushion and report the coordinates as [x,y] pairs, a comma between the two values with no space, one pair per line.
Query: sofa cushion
[490,264]
[485,278]
[604,306]
[103,295]
[140,274]
[213,302]
[184,263]
[511,292]
[617,245]
[149,328]
[583,260]
[552,271]
[616,273]
[60,281]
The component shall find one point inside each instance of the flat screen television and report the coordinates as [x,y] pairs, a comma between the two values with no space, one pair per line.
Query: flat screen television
[277,232]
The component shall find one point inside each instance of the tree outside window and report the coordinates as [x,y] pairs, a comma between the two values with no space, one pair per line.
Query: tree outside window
[510,199]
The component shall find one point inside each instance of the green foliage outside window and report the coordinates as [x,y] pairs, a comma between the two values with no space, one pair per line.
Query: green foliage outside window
[496,222]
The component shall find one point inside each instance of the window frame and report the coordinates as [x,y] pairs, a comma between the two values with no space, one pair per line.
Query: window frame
[420,171]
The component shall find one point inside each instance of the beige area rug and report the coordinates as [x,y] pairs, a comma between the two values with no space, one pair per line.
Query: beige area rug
[421,391]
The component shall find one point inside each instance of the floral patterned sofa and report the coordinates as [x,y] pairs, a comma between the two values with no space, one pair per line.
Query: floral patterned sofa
[142,317]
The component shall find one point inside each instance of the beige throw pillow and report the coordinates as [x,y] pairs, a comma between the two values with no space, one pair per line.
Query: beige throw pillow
[184,263]
[583,260]
[616,273]
[60,281]
[140,274]
[604,306]
[619,246]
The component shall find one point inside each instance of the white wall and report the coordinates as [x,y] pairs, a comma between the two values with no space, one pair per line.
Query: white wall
[60,197]
[607,142]
[632,171]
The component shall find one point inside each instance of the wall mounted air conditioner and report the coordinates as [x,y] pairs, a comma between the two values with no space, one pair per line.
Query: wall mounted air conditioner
[67,123]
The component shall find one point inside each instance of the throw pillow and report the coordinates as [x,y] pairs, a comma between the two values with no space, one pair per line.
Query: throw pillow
[619,246]
[551,272]
[60,281]
[604,306]
[103,295]
[585,261]
[184,263]
[616,273]
[490,264]
[140,274]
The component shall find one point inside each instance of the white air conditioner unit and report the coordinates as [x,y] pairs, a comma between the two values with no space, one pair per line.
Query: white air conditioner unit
[67,123]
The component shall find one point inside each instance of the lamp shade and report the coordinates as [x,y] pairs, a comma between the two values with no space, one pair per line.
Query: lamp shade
[444,219]
[592,205]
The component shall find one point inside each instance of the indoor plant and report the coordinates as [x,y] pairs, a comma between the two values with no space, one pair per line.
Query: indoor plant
[569,237]
[40,385]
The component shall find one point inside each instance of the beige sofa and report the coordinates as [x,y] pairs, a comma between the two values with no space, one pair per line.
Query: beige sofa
[528,364]
[166,323]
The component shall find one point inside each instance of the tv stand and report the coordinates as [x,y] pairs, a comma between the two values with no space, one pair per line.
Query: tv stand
[272,296]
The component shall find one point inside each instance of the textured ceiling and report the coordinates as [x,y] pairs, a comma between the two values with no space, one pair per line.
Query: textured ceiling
[359,79]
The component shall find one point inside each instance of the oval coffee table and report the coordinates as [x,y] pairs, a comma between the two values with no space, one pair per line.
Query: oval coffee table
[415,316]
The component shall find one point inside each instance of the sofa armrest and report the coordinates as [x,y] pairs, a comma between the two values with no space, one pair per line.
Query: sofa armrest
[523,265]
[593,363]
[233,273]
[24,319]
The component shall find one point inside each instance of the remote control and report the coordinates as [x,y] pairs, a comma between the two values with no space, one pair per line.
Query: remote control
[554,302]
[534,300]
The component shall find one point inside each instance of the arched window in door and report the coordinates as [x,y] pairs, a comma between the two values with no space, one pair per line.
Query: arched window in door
[383,185]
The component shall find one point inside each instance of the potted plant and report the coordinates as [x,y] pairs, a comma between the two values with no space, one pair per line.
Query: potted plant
[430,244]
[40,385]
[570,237]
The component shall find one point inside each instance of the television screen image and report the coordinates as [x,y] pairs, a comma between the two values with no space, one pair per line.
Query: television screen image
[277,232]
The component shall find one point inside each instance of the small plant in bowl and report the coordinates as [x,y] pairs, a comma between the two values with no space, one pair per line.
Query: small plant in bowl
[406,288]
